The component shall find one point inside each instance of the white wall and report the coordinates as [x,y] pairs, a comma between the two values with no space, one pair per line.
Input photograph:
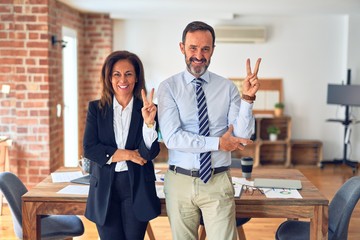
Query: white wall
[353,59]
[306,52]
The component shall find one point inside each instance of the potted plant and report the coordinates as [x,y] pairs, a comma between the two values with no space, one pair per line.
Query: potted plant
[279,109]
[273,132]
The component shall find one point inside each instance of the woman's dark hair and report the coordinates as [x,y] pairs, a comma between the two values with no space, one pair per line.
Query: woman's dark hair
[198,26]
[106,73]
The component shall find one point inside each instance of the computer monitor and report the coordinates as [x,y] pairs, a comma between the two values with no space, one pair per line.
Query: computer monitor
[343,94]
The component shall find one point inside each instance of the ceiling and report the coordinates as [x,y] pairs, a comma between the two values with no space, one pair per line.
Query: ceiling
[214,9]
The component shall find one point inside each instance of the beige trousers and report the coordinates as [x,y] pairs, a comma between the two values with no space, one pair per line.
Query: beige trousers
[188,197]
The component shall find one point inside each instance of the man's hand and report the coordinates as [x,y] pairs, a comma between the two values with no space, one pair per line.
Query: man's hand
[251,83]
[230,143]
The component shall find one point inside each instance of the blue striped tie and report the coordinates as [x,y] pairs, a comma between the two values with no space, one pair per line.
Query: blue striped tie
[205,158]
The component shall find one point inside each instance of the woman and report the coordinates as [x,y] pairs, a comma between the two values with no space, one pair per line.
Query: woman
[121,140]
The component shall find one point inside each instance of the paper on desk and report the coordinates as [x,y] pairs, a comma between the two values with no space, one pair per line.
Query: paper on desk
[160,191]
[238,189]
[75,189]
[65,176]
[242,181]
[160,177]
[281,193]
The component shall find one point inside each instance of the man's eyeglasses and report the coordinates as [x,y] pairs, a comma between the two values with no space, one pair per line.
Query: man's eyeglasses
[250,189]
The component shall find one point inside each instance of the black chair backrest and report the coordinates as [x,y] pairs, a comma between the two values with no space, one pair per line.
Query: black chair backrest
[12,189]
[341,208]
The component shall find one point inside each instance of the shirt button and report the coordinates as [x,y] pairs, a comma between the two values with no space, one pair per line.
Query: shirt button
[107,155]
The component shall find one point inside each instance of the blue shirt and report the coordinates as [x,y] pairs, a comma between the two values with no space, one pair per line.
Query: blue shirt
[178,118]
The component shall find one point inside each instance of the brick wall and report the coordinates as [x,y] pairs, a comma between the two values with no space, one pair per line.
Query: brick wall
[97,45]
[33,69]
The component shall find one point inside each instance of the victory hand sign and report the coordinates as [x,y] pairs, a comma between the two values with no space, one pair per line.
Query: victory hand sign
[149,109]
[251,83]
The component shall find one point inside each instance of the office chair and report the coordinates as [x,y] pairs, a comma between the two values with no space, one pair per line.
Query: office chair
[340,210]
[52,226]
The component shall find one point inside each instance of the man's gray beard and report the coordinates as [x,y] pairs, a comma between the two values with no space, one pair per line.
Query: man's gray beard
[193,71]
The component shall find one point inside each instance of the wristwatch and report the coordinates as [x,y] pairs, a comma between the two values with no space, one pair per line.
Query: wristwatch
[247,97]
[150,125]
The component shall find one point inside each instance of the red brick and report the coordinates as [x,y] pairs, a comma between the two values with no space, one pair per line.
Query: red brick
[33,35]
[20,35]
[38,53]
[4,69]
[44,62]
[28,121]
[39,9]
[20,70]
[36,27]
[25,18]
[37,70]
[3,35]
[22,130]
[33,96]
[12,52]
[44,36]
[37,2]
[11,61]
[30,61]
[7,17]
[43,19]
[34,104]
[12,44]
[19,27]
[39,163]
[18,9]
[5,9]
[41,44]
[4,112]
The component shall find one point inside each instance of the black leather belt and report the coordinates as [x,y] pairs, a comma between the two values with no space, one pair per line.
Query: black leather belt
[195,173]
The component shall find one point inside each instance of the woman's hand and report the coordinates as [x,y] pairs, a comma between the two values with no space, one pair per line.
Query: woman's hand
[251,83]
[132,155]
[149,109]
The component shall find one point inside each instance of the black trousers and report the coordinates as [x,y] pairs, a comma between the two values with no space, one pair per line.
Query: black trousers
[121,223]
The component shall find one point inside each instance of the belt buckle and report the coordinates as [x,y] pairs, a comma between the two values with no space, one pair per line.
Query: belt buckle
[192,171]
[175,169]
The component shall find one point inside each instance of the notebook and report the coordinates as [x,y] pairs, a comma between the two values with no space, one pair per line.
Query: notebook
[277,183]
[82,180]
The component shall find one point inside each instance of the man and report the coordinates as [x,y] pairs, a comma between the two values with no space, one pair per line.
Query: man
[202,119]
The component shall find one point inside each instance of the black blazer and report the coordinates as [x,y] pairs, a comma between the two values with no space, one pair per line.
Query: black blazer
[99,145]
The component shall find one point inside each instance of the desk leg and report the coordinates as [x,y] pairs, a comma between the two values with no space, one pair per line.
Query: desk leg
[319,223]
[31,222]
[257,155]
[150,232]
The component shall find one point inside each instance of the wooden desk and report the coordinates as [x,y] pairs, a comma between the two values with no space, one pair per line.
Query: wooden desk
[43,199]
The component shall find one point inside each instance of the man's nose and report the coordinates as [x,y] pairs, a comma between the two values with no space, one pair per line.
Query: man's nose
[198,54]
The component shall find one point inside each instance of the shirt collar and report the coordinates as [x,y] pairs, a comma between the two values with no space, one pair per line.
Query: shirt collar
[117,105]
[189,77]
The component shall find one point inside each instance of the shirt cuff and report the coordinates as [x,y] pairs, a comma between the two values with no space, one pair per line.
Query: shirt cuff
[149,135]
[246,108]
[212,143]
[110,161]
